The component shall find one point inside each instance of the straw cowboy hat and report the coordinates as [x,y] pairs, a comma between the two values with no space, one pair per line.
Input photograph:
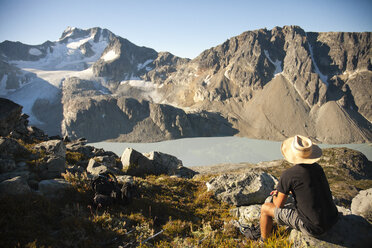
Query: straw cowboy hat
[300,150]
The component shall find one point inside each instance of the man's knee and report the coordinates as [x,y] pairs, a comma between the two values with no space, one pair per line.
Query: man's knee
[268,209]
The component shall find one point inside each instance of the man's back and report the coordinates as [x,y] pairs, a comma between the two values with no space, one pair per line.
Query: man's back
[310,188]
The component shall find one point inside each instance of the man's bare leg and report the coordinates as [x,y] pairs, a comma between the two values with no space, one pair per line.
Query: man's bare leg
[266,220]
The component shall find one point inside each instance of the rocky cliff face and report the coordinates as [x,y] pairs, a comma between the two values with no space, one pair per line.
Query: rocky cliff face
[266,84]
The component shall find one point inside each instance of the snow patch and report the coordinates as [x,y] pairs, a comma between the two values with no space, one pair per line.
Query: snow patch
[35,51]
[276,63]
[207,79]
[141,66]
[228,69]
[138,83]
[75,44]
[66,56]
[110,56]
[323,77]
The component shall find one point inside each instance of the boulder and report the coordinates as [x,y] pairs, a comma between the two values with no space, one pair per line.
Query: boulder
[54,188]
[14,186]
[10,114]
[108,161]
[55,165]
[247,214]
[95,168]
[153,163]
[349,231]
[242,189]
[164,163]
[362,204]
[53,147]
[135,163]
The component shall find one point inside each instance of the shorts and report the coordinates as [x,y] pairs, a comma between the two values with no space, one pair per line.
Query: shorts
[289,217]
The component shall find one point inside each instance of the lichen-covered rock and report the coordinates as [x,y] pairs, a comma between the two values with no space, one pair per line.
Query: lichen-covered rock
[362,204]
[247,214]
[242,189]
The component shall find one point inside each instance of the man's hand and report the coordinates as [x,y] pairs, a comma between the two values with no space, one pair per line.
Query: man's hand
[274,193]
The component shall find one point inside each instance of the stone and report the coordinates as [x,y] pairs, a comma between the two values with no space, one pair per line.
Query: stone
[362,204]
[15,186]
[108,161]
[349,231]
[95,168]
[9,175]
[54,188]
[242,189]
[7,165]
[247,214]
[153,163]
[55,165]
[135,163]
[54,147]
[164,163]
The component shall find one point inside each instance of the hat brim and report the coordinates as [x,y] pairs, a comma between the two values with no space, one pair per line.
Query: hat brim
[289,155]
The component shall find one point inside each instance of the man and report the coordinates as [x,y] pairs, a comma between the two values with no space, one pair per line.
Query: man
[314,213]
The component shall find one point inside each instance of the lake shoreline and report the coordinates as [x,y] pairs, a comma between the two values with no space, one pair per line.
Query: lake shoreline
[208,151]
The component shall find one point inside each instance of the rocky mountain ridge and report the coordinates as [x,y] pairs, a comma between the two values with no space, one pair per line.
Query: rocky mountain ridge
[265,84]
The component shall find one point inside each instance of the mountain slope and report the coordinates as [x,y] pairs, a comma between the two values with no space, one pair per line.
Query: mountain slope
[266,84]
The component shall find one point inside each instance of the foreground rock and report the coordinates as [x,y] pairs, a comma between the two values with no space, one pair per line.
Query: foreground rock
[15,186]
[362,204]
[242,189]
[154,163]
[247,214]
[349,231]
[54,188]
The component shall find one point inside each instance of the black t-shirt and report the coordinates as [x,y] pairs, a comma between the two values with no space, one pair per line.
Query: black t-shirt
[313,198]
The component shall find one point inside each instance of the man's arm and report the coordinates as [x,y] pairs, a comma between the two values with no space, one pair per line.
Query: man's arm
[279,198]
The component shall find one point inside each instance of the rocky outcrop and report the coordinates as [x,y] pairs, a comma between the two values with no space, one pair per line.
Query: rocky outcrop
[355,164]
[122,60]
[153,163]
[10,113]
[131,120]
[242,189]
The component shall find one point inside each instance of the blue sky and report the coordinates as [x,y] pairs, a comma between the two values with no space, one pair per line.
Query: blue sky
[184,28]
